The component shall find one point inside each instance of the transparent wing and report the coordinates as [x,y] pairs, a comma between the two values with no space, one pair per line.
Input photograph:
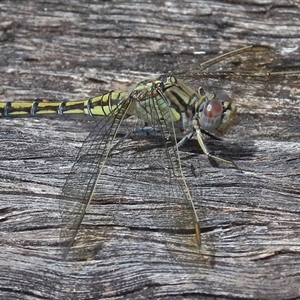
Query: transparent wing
[81,182]
[177,186]
[254,77]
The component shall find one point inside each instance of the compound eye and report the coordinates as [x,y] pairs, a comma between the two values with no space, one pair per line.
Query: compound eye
[211,116]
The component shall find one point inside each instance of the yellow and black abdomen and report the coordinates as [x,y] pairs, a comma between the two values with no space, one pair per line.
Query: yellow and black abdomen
[101,105]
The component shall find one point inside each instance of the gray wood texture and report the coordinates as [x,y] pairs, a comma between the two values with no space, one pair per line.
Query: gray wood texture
[249,219]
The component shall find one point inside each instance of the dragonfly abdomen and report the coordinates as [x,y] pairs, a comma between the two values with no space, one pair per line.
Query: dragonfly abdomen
[96,106]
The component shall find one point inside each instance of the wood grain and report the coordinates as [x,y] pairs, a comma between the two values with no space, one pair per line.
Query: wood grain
[249,219]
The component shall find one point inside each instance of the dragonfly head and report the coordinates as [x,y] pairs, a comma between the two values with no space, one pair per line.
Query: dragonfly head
[215,111]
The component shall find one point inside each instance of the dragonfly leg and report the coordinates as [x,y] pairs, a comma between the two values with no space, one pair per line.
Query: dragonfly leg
[211,135]
[191,134]
[205,150]
[185,139]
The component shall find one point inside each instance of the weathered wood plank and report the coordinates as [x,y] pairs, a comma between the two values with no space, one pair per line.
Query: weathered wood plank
[250,219]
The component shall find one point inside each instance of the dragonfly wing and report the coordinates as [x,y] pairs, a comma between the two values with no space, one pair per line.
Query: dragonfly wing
[81,182]
[251,78]
[160,169]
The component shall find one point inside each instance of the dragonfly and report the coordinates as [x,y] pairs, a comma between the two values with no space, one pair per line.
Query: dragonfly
[169,108]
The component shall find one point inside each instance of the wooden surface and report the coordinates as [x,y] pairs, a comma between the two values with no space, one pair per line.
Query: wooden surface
[249,220]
